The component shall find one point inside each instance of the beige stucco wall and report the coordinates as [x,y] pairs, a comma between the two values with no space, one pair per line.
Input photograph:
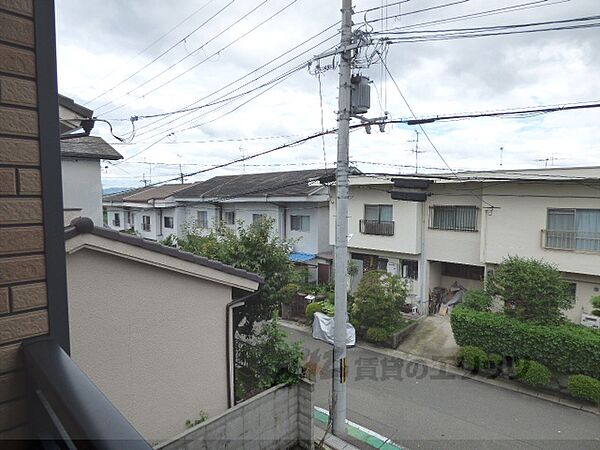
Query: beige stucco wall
[152,340]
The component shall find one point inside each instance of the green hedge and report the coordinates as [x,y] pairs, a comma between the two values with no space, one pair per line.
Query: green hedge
[566,348]
[472,358]
[533,373]
[585,387]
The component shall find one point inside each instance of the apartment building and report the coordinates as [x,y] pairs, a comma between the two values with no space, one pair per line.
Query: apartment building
[469,224]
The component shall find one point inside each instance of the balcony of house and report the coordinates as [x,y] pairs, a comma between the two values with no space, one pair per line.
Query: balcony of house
[575,241]
[377,227]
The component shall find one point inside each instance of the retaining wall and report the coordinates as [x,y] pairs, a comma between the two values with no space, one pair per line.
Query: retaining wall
[278,418]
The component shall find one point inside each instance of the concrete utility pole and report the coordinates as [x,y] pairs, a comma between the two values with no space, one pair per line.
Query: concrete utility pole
[341,226]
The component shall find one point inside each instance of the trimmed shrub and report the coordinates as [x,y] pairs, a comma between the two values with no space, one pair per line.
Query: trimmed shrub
[587,388]
[472,358]
[378,334]
[311,309]
[566,348]
[533,373]
[495,360]
[323,307]
[477,300]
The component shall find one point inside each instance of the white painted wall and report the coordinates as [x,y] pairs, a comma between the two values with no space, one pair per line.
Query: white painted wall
[515,227]
[158,357]
[82,187]
[405,214]
[461,247]
[137,223]
[310,241]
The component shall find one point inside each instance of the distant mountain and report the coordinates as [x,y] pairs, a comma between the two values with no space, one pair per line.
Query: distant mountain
[112,190]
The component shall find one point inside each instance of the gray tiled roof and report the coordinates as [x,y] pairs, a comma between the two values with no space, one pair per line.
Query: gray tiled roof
[279,184]
[89,147]
[146,194]
[82,225]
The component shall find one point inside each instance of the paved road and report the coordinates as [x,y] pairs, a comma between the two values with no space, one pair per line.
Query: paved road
[427,409]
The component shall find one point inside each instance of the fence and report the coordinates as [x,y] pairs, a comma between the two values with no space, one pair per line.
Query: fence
[278,418]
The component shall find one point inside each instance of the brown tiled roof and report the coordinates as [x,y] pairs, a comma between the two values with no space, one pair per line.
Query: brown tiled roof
[83,225]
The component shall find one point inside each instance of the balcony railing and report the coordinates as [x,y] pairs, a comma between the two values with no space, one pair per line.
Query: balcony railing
[67,409]
[376,227]
[571,240]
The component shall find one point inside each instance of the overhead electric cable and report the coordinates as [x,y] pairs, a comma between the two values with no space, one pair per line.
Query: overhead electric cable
[160,86]
[161,55]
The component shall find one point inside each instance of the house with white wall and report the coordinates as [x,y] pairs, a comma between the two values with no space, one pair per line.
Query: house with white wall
[81,156]
[470,223]
[151,212]
[152,326]
[296,201]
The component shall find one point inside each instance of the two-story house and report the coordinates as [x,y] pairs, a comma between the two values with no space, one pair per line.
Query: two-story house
[151,212]
[469,224]
[296,201]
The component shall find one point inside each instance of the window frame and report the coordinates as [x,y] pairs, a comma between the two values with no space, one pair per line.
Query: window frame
[299,226]
[202,223]
[455,219]
[229,217]
[146,226]
[171,222]
[573,237]
[116,219]
[258,217]
[379,207]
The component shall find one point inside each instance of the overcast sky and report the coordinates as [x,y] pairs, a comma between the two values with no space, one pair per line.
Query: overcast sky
[103,43]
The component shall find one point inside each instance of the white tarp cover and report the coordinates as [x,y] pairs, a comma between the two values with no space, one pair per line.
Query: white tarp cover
[323,330]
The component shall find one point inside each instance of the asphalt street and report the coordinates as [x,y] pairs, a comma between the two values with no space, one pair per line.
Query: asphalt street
[422,408]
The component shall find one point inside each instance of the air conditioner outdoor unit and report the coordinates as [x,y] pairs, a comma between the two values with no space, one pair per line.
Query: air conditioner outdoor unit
[588,320]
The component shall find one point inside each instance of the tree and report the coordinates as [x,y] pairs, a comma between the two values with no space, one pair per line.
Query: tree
[378,300]
[256,249]
[531,290]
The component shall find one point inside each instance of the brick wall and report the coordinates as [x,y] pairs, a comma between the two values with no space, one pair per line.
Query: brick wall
[23,297]
[278,418]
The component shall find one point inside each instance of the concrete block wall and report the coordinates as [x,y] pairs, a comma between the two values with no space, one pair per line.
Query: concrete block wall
[278,418]
[23,297]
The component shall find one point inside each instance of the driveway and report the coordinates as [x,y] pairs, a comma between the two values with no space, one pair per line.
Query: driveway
[422,408]
[432,338]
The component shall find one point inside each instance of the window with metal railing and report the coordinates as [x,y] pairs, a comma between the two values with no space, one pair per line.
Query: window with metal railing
[378,220]
[453,217]
[572,229]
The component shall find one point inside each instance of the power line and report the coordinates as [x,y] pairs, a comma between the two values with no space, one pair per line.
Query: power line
[188,107]
[161,55]
[190,54]
[157,40]
[281,10]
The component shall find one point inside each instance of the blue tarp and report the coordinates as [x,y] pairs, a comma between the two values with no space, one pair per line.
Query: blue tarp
[302,257]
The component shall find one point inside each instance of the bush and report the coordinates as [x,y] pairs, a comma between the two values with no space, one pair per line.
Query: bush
[533,373]
[495,360]
[378,300]
[566,348]
[311,309]
[323,307]
[378,334]
[596,305]
[587,388]
[472,358]
[531,290]
[477,300]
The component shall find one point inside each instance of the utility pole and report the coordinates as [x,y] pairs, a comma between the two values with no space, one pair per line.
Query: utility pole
[341,226]
[416,151]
